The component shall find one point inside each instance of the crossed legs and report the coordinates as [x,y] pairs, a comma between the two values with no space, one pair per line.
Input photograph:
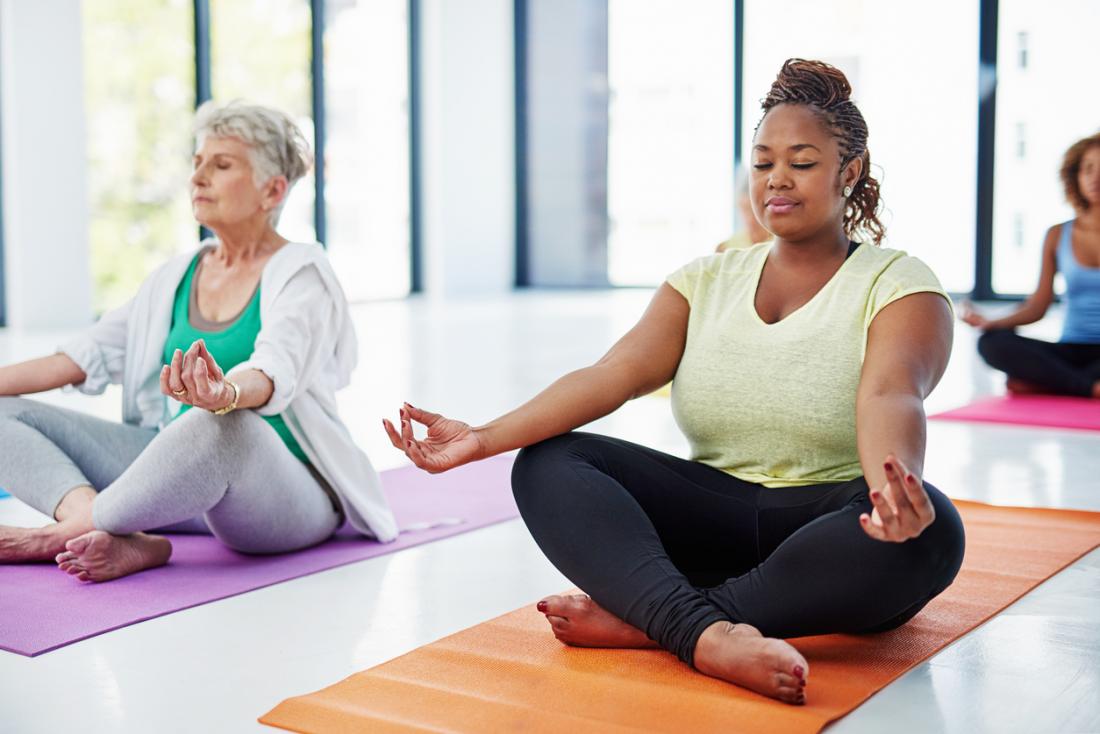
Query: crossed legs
[714,569]
[228,475]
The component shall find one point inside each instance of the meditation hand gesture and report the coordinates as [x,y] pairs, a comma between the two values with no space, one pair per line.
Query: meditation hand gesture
[902,509]
[449,443]
[969,315]
[194,378]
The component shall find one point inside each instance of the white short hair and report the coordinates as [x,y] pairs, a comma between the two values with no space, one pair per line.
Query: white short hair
[276,145]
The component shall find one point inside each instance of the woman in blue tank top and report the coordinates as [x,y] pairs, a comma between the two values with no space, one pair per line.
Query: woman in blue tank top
[1070,366]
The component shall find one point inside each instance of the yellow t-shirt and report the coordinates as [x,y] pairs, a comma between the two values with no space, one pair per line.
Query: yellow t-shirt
[775,404]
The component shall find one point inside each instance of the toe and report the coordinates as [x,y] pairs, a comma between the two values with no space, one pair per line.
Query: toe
[554,605]
[784,680]
[577,604]
[790,695]
[557,622]
[79,544]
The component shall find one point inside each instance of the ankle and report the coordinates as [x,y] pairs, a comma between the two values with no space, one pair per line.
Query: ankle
[710,645]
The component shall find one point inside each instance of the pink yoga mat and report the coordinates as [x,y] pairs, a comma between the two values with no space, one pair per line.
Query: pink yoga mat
[42,609]
[1030,410]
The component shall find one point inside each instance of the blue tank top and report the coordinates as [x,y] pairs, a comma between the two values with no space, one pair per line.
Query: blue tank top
[1082,297]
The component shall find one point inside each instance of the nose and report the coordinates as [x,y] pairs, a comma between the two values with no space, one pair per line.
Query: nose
[778,178]
[198,176]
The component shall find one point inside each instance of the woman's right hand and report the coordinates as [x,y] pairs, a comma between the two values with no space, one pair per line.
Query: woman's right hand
[449,443]
[969,315]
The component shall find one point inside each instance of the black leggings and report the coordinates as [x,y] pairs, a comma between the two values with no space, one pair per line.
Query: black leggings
[672,546]
[1061,367]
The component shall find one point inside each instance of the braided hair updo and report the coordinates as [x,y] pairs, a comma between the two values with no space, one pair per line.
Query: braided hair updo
[826,91]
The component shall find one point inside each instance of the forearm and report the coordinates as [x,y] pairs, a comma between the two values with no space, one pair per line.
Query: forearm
[578,398]
[40,375]
[255,387]
[890,423]
[1028,313]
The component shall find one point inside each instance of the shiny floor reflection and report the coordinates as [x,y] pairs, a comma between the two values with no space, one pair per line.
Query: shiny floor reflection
[215,668]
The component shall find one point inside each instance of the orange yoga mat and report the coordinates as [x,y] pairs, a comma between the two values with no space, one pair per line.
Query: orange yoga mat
[511,675]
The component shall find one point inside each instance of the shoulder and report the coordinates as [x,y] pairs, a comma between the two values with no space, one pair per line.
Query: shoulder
[721,266]
[1055,234]
[299,254]
[294,258]
[897,266]
[302,268]
[893,274]
[726,262]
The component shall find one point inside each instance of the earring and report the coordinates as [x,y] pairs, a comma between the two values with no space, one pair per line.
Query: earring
[847,191]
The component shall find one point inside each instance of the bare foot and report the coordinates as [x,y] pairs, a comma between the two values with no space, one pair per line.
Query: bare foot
[738,653]
[100,556]
[25,545]
[581,622]
[1016,386]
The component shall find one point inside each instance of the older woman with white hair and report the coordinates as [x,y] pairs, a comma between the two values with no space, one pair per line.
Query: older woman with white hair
[229,359]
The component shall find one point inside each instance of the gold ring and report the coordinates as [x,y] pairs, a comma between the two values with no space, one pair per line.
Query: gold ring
[180,393]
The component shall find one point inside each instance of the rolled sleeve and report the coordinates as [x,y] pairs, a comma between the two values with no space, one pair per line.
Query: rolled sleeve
[295,340]
[100,351]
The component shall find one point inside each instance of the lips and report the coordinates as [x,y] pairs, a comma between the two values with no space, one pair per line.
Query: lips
[780,204]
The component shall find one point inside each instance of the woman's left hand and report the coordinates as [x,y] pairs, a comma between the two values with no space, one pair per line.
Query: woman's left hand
[902,509]
[194,378]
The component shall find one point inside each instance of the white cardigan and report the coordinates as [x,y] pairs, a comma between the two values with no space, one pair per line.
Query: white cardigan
[306,345]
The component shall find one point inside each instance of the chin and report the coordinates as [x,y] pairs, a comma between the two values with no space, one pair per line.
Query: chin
[789,231]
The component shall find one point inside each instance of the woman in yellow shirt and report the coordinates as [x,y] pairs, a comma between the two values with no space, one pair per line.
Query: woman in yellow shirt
[799,367]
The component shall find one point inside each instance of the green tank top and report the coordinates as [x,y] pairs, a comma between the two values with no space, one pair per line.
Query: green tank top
[230,345]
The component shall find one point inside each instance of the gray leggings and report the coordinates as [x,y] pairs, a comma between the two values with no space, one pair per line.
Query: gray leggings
[228,475]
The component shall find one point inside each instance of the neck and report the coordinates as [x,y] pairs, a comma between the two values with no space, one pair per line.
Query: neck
[824,246]
[1090,217]
[246,241]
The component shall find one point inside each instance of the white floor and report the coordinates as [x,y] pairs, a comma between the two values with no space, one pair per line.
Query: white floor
[215,668]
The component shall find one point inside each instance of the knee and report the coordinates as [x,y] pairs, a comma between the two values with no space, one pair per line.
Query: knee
[537,465]
[208,433]
[13,407]
[934,557]
[947,541]
[993,345]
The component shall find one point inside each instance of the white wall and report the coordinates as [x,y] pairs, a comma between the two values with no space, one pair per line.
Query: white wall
[47,270]
[467,156]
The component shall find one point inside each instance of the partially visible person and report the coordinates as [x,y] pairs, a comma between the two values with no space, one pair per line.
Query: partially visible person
[229,358]
[1070,366]
[753,232]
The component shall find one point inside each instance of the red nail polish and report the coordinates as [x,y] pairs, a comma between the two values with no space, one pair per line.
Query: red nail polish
[541,606]
[799,672]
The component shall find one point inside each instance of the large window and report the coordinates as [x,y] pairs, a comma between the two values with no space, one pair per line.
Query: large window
[1042,108]
[260,52]
[140,91]
[367,145]
[140,65]
[670,140]
[913,68]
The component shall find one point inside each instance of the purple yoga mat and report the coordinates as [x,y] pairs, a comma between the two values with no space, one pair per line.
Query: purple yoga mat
[1053,411]
[42,609]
